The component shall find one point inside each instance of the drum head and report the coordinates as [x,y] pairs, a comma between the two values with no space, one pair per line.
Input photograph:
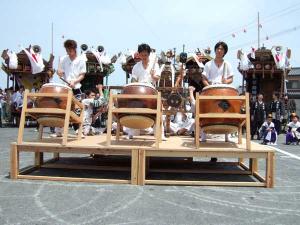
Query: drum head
[50,121]
[215,86]
[56,85]
[136,121]
[220,129]
[140,84]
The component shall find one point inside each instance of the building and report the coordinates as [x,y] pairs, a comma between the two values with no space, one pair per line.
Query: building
[293,86]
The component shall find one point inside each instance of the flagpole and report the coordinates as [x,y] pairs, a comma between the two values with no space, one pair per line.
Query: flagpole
[52,38]
[258,31]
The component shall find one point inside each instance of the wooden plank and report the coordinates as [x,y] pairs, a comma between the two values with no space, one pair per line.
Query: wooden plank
[134,110]
[222,115]
[79,134]
[253,164]
[134,166]
[41,129]
[28,169]
[142,167]
[14,161]
[135,96]
[248,132]
[244,166]
[67,118]
[205,154]
[85,167]
[77,102]
[205,183]
[118,129]
[38,159]
[259,177]
[270,170]
[48,95]
[158,121]
[200,171]
[74,179]
[46,111]
[109,119]
[240,134]
[22,121]
[197,122]
[202,97]
[75,118]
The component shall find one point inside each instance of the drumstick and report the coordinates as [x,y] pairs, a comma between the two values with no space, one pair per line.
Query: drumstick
[60,76]
[65,81]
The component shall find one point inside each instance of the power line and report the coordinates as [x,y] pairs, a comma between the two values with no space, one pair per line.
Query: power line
[143,19]
[280,33]
[252,24]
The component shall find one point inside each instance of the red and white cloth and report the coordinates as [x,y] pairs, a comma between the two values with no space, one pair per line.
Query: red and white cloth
[36,61]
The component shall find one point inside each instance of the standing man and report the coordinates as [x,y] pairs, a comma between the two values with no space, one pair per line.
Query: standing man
[276,109]
[258,116]
[72,69]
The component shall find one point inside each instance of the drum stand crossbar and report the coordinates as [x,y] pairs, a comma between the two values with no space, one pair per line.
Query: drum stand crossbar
[244,118]
[68,115]
[115,110]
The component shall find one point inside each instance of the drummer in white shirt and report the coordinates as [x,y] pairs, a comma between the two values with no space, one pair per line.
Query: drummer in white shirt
[217,71]
[145,71]
[72,69]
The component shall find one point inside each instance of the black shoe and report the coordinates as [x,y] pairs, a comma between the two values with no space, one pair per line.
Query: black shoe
[213,160]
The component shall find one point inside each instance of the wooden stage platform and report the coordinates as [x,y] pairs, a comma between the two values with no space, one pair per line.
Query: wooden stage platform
[143,163]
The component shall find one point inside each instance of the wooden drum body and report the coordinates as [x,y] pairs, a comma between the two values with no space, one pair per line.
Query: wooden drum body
[220,125]
[52,120]
[138,121]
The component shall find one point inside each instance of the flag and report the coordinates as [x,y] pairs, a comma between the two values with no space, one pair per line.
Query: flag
[279,56]
[36,60]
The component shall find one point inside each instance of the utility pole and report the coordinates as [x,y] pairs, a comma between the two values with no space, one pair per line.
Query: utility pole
[258,31]
[52,38]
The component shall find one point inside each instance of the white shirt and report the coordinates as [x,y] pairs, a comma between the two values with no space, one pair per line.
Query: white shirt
[17,98]
[143,75]
[294,125]
[72,69]
[88,108]
[214,74]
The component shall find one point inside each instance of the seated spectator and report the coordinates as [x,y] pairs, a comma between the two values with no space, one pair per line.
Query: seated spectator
[268,132]
[293,134]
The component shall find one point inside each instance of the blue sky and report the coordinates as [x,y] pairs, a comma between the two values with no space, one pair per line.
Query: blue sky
[122,24]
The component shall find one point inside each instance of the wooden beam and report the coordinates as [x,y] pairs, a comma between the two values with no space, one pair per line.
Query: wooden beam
[134,166]
[134,110]
[22,121]
[74,179]
[248,132]
[202,97]
[222,115]
[205,183]
[14,161]
[142,167]
[135,96]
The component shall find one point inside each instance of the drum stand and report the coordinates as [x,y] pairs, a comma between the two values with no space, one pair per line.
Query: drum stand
[69,115]
[114,110]
[244,118]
